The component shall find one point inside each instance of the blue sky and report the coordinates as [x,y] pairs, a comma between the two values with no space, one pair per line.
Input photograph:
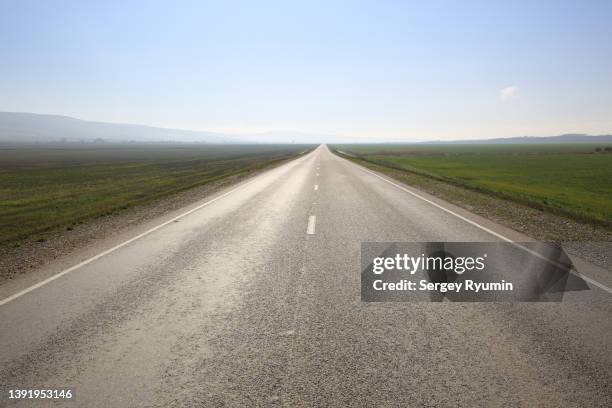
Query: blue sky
[366,70]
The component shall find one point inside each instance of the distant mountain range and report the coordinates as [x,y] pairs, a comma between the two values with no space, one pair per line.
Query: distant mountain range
[567,138]
[32,127]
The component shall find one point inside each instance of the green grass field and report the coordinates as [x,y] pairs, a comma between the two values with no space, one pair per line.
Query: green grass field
[51,186]
[568,179]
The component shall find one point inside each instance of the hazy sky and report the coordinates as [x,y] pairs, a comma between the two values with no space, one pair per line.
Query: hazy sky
[369,70]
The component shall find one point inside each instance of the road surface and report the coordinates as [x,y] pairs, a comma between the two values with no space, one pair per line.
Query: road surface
[254,300]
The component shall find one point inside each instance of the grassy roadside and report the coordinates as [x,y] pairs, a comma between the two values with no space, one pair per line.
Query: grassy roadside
[46,188]
[570,180]
[535,222]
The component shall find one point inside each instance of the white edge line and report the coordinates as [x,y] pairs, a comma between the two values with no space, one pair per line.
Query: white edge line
[108,251]
[536,254]
[594,282]
[439,206]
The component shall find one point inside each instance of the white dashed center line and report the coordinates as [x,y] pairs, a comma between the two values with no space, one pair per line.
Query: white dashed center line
[316,187]
[311,225]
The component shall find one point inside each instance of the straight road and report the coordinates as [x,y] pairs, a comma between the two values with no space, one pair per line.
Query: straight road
[254,300]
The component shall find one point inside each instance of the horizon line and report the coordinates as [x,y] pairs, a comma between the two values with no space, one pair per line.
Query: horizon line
[304,133]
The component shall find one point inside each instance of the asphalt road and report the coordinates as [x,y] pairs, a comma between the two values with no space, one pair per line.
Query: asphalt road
[254,300]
